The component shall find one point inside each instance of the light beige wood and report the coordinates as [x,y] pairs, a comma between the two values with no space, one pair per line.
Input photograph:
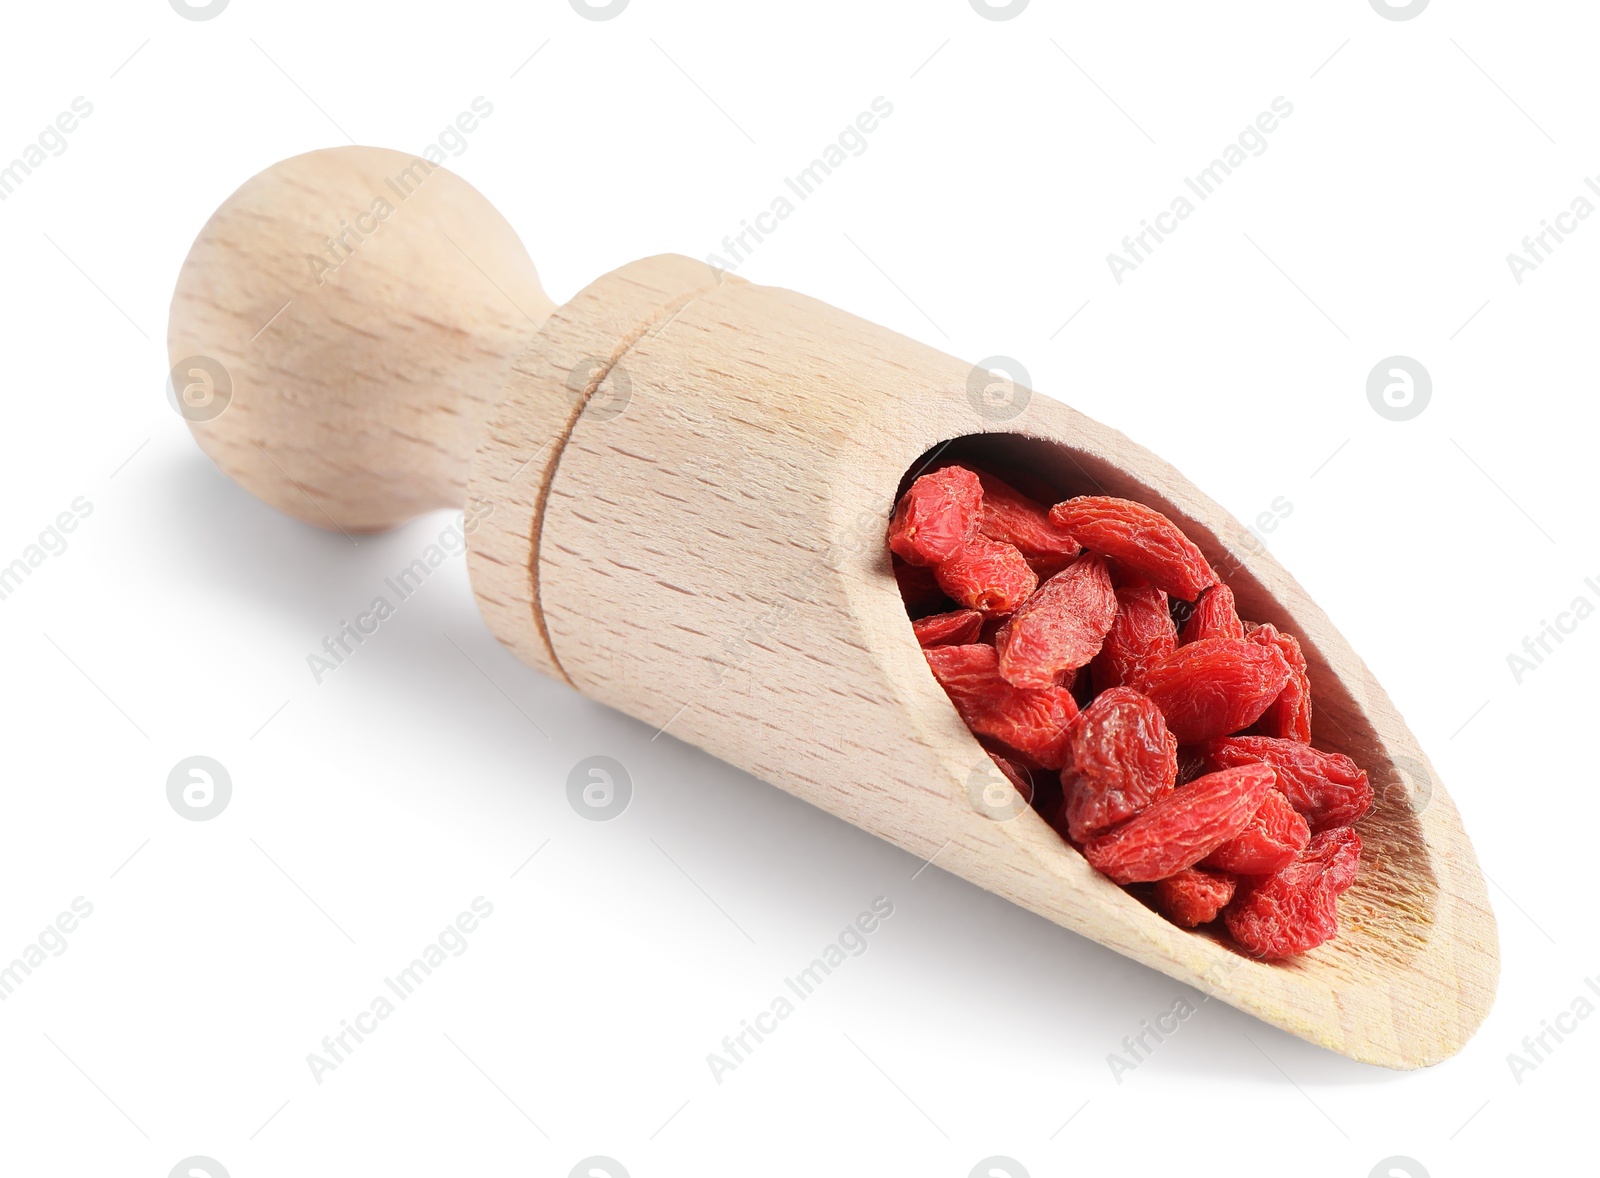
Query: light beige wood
[360,387]
[550,383]
[711,559]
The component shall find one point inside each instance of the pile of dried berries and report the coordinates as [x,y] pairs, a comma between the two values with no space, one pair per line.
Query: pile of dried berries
[1177,759]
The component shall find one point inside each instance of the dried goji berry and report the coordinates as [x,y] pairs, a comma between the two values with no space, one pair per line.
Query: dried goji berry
[1182,828]
[1339,852]
[1007,514]
[1328,789]
[1124,759]
[1214,616]
[1060,628]
[987,575]
[919,589]
[956,628]
[1215,686]
[1193,896]
[936,516]
[1272,920]
[1295,910]
[1141,635]
[1037,723]
[1269,843]
[1139,537]
[1288,716]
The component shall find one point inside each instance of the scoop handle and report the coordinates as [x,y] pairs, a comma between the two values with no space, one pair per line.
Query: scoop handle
[341,330]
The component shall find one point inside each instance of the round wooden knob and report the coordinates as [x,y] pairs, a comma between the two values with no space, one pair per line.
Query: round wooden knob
[341,330]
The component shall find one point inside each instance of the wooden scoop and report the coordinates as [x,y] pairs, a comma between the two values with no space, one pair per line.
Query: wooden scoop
[677,486]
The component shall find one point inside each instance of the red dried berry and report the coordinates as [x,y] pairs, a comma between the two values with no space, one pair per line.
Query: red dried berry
[956,628]
[987,575]
[935,516]
[1060,628]
[1328,789]
[1274,836]
[1214,616]
[1339,852]
[919,589]
[1270,920]
[1194,897]
[1182,828]
[1007,514]
[1215,687]
[1288,716]
[1139,537]
[1141,635]
[1124,759]
[1295,910]
[1037,723]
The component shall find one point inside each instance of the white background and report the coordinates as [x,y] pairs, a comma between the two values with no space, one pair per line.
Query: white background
[368,810]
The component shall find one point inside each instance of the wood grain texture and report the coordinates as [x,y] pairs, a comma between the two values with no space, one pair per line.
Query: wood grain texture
[549,384]
[364,364]
[712,561]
